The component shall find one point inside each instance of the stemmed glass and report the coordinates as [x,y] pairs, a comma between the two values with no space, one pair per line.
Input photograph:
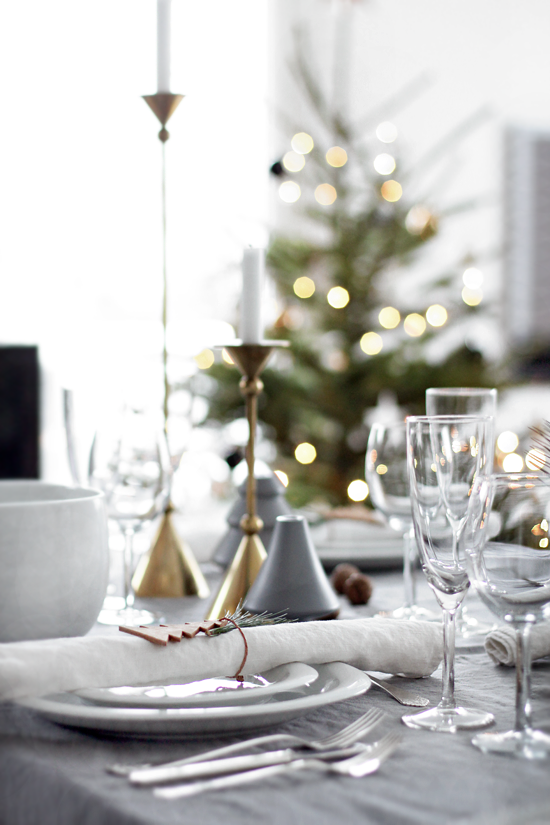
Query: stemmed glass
[445,456]
[507,544]
[464,401]
[129,462]
[387,476]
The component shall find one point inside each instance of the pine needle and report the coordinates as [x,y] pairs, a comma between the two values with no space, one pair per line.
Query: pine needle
[243,618]
[540,456]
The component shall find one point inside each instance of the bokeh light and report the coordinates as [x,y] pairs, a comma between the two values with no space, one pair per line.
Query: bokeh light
[384,164]
[389,317]
[304,287]
[507,442]
[226,357]
[204,359]
[436,315]
[305,453]
[472,278]
[336,156]
[386,132]
[472,297]
[282,476]
[293,162]
[512,463]
[358,490]
[289,191]
[338,297]
[391,190]
[417,220]
[414,325]
[535,459]
[302,143]
[325,194]
[371,343]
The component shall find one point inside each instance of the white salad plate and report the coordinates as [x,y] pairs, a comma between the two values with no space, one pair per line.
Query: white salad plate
[206,693]
[335,681]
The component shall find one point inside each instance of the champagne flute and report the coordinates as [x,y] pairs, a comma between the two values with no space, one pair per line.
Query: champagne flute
[387,476]
[129,462]
[445,456]
[507,544]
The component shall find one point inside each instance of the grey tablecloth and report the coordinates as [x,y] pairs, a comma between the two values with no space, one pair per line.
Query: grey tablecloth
[50,775]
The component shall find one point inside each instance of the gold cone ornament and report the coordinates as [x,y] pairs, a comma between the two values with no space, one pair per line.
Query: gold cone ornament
[169,570]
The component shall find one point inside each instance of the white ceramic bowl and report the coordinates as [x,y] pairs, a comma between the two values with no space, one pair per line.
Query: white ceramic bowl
[54,559]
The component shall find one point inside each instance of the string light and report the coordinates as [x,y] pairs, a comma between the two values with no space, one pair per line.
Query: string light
[338,297]
[436,315]
[304,287]
[389,317]
[472,278]
[371,343]
[358,490]
[226,357]
[384,164]
[535,459]
[305,453]
[391,190]
[507,441]
[386,132]
[302,143]
[337,157]
[512,463]
[325,194]
[472,297]
[283,478]
[294,162]
[418,219]
[204,359]
[414,325]
[289,191]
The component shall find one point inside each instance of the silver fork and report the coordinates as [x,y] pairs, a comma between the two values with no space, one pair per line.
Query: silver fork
[360,765]
[347,736]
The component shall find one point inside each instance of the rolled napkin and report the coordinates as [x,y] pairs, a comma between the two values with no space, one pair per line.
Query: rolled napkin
[54,665]
[500,643]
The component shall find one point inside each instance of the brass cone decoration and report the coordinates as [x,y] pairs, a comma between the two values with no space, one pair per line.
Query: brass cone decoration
[239,578]
[169,570]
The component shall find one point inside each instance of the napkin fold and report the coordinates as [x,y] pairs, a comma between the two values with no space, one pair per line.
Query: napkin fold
[500,643]
[35,668]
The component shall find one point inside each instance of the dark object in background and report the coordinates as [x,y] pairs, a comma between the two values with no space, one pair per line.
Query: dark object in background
[358,588]
[341,574]
[19,412]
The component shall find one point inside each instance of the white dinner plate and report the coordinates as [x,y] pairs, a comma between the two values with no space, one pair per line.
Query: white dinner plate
[336,681]
[206,693]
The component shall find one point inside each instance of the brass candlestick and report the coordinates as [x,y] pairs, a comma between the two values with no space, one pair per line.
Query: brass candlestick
[170,569]
[250,359]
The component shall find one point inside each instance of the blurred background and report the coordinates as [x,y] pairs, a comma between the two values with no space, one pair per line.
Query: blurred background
[394,159]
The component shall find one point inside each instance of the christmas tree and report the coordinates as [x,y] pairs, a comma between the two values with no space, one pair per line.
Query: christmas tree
[356,323]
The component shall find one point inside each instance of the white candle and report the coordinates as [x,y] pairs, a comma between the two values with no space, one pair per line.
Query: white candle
[251,300]
[163,45]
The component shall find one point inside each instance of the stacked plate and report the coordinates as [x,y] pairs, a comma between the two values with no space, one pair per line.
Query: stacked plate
[206,707]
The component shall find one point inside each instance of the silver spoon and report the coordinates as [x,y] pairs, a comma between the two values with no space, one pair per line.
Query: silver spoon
[404,697]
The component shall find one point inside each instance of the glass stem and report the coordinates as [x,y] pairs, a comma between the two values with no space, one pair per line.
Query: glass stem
[128,566]
[523,677]
[448,676]
[409,556]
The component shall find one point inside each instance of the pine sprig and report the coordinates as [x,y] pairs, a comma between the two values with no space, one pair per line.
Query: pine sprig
[540,456]
[243,618]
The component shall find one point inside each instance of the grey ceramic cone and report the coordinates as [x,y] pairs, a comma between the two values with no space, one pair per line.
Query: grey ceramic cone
[292,579]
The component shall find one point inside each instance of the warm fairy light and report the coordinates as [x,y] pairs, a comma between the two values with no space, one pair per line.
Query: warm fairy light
[543,543]
[384,164]
[535,459]
[283,478]
[391,190]
[204,359]
[371,343]
[389,317]
[302,143]
[338,297]
[512,463]
[386,132]
[507,441]
[417,220]
[472,278]
[358,490]
[304,287]
[472,297]
[436,315]
[325,194]
[226,357]
[382,469]
[337,157]
[337,361]
[414,325]
[289,191]
[305,453]
[293,162]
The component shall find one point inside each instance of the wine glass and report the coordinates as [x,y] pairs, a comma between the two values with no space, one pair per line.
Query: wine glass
[129,462]
[387,476]
[445,456]
[464,401]
[507,544]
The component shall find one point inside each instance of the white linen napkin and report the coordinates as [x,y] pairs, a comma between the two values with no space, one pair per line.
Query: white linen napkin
[500,643]
[36,668]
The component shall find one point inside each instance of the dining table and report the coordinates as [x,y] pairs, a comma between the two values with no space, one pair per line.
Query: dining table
[56,775]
